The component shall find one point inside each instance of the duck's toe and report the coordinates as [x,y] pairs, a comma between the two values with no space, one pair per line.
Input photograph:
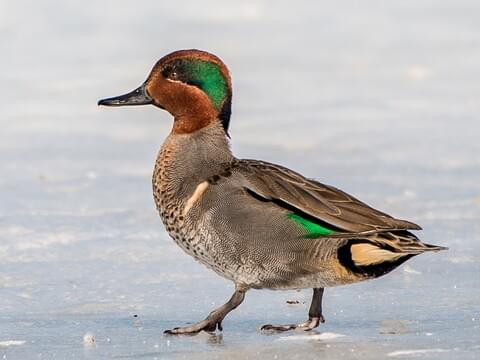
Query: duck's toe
[308,325]
[311,323]
[207,325]
[278,328]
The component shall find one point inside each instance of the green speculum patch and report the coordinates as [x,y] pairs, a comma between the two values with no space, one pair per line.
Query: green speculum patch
[208,77]
[313,230]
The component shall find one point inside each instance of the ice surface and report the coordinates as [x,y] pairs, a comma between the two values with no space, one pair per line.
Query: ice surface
[312,336]
[8,343]
[381,99]
[415,352]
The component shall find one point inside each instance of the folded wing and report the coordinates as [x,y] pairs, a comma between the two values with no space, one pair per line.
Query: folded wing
[309,198]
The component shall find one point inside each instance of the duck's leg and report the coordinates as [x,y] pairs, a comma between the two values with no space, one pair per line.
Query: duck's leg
[214,319]
[315,316]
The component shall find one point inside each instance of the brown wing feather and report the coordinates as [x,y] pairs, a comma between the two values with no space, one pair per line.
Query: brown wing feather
[324,202]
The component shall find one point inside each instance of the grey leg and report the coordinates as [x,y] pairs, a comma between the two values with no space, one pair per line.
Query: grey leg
[214,319]
[315,316]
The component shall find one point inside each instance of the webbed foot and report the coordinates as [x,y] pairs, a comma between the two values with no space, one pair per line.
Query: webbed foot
[213,320]
[208,325]
[308,325]
[315,316]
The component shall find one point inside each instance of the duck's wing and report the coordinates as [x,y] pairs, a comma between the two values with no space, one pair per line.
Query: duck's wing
[313,201]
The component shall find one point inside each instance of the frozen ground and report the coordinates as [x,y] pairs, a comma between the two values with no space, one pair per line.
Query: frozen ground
[379,98]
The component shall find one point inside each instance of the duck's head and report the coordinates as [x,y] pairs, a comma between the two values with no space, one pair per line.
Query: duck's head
[192,85]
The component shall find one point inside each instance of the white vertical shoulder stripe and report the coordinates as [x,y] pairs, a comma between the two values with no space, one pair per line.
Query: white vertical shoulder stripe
[197,194]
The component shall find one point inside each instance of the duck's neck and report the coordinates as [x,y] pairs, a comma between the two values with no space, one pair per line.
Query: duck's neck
[186,160]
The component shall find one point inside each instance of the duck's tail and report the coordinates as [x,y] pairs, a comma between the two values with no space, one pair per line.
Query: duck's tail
[404,241]
[380,253]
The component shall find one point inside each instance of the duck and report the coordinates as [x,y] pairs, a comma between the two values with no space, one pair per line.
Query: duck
[255,223]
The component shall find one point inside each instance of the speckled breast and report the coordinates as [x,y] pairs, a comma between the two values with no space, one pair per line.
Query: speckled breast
[190,235]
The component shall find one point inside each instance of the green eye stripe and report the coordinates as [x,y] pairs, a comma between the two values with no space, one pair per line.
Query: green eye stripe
[208,77]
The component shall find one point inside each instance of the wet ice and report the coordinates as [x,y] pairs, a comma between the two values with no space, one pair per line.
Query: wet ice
[379,100]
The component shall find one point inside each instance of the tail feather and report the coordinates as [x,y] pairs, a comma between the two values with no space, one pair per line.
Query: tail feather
[421,247]
[403,242]
[379,254]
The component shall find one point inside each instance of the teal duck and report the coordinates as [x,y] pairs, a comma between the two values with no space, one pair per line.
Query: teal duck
[258,224]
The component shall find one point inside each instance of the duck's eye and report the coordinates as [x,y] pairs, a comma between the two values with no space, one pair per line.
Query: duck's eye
[169,72]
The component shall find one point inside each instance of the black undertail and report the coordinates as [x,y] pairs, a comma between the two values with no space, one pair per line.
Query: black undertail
[370,271]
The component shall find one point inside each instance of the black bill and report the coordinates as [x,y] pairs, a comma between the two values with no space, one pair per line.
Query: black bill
[138,96]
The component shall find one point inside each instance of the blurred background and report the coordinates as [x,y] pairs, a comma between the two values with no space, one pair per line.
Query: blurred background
[379,98]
